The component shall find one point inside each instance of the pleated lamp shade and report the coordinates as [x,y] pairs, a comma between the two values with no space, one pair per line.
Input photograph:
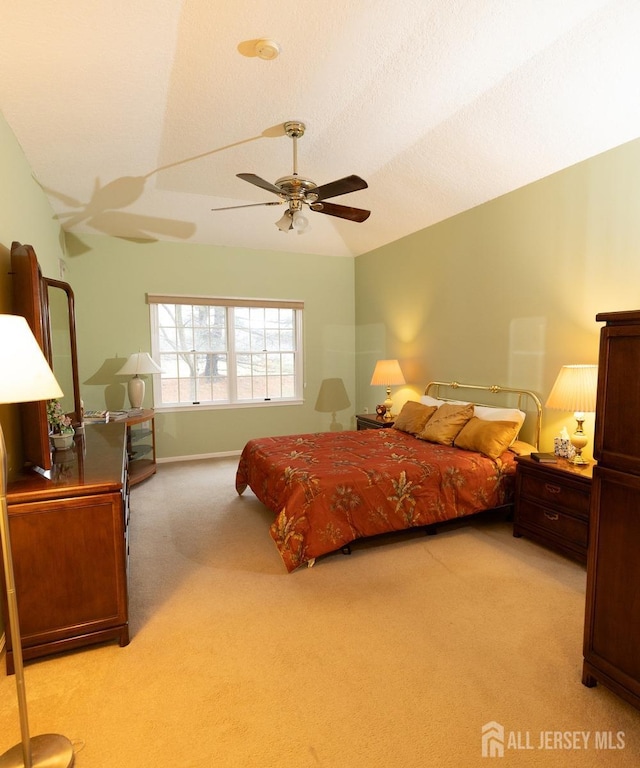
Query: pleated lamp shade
[575,389]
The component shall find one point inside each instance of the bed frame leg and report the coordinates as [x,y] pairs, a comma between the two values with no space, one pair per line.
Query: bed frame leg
[346,550]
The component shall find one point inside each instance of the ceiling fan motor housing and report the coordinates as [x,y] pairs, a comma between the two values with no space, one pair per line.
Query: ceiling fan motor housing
[297,188]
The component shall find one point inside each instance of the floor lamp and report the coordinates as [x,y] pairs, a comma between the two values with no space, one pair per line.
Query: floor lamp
[25,376]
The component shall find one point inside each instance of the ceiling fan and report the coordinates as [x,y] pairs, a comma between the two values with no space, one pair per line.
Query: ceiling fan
[297,192]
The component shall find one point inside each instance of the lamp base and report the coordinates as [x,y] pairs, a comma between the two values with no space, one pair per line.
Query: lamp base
[49,750]
[388,404]
[577,459]
[135,390]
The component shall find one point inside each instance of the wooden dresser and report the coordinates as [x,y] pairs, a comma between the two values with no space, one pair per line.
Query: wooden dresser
[612,622]
[69,537]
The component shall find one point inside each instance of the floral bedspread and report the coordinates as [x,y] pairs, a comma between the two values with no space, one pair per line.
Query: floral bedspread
[331,488]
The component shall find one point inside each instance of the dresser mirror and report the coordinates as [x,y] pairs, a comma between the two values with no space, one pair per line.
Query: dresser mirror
[48,306]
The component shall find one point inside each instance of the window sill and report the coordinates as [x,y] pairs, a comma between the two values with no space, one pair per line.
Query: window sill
[224,406]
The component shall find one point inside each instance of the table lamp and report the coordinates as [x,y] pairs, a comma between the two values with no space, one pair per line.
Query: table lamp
[25,376]
[575,390]
[387,373]
[138,364]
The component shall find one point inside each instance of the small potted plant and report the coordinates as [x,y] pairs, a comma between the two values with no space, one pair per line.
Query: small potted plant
[60,430]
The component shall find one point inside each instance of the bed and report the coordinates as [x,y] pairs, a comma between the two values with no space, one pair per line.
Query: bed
[444,458]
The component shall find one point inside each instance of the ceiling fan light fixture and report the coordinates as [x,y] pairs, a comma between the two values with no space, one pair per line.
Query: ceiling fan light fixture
[285,223]
[300,221]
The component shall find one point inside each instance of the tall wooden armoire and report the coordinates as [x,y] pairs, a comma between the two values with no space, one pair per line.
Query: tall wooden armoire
[612,621]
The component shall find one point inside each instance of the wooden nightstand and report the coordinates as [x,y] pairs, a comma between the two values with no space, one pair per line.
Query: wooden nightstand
[552,505]
[371,421]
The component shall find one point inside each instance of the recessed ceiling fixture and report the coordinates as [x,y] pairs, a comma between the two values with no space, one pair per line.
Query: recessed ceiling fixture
[267,49]
[297,191]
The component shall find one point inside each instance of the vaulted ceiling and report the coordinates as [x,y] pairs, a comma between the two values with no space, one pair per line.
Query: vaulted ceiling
[136,115]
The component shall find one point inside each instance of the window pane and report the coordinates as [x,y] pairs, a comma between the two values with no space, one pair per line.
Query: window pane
[243,340]
[258,342]
[192,341]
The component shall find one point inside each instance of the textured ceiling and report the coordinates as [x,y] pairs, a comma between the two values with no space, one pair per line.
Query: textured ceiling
[136,115]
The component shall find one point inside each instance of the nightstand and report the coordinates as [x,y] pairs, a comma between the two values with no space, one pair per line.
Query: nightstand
[552,505]
[371,421]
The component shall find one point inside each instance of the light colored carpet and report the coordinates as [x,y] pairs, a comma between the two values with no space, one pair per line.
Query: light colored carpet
[394,656]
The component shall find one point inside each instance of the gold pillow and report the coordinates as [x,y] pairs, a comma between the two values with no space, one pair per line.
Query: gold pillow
[492,438]
[446,422]
[413,417]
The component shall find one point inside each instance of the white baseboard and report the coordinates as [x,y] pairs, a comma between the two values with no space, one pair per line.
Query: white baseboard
[198,457]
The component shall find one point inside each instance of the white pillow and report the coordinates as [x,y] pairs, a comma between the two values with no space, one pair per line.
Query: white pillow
[427,400]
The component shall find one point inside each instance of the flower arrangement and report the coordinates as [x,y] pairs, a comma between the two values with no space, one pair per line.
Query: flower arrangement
[59,422]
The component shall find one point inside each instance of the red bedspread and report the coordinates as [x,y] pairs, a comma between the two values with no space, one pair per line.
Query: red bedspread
[330,488]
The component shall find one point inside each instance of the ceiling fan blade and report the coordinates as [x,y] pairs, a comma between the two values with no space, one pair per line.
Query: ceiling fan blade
[253,179]
[340,187]
[248,205]
[342,211]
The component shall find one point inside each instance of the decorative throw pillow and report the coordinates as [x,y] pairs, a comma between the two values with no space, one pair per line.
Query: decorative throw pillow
[446,422]
[491,413]
[492,438]
[413,417]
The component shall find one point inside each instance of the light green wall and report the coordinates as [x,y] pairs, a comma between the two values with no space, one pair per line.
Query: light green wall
[506,293]
[25,216]
[111,278]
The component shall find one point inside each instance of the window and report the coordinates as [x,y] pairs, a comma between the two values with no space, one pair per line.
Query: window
[219,351]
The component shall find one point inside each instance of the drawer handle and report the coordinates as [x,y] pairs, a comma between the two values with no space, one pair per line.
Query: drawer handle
[551,515]
[552,488]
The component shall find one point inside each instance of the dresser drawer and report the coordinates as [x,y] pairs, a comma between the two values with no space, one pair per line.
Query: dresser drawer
[548,492]
[553,522]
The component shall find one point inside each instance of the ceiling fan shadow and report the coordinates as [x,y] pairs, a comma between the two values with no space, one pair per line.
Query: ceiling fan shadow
[103,210]
[273,132]
[103,213]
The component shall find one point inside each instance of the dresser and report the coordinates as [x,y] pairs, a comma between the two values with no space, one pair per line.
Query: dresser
[552,505]
[69,538]
[612,618]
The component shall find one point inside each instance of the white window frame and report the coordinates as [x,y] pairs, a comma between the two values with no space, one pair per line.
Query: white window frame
[229,303]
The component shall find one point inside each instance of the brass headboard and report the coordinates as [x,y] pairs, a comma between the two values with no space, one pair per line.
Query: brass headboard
[523,399]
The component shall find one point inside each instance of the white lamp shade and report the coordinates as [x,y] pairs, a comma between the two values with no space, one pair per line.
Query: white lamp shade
[25,374]
[386,373]
[575,389]
[139,363]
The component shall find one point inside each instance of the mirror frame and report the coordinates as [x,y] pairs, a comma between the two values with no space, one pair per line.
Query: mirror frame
[31,300]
